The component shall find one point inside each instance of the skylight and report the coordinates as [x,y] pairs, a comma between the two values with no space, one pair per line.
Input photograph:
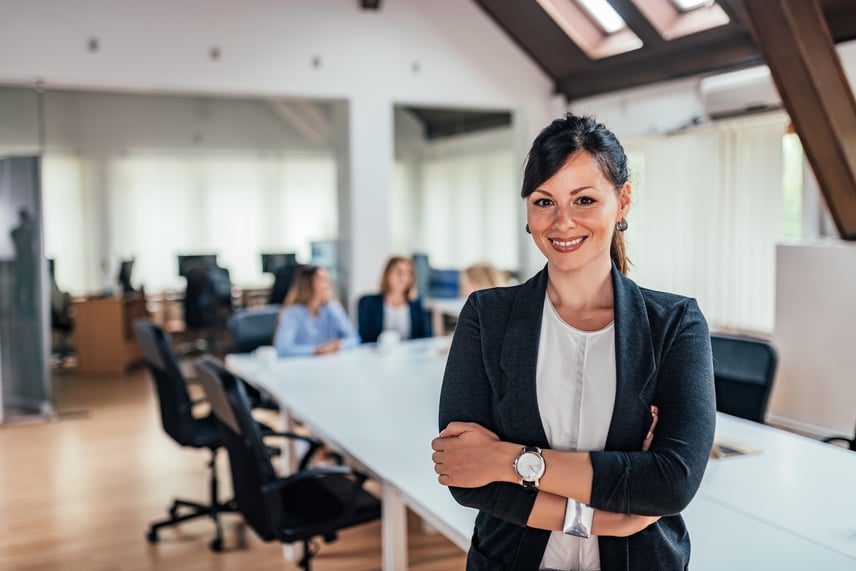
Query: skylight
[687,5]
[594,26]
[606,17]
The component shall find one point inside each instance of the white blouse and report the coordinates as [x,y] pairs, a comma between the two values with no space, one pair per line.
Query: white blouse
[397,319]
[575,383]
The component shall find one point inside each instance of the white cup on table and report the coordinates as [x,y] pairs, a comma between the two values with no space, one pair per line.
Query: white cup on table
[388,340]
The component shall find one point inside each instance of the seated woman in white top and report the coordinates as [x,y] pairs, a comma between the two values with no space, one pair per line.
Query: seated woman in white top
[396,307]
[311,323]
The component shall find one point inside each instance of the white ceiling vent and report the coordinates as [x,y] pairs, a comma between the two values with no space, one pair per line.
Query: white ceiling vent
[739,93]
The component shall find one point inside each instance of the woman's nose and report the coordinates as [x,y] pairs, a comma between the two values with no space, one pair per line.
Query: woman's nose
[564,218]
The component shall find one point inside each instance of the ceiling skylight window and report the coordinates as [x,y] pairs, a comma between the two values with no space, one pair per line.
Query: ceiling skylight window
[679,18]
[593,25]
[687,5]
[604,14]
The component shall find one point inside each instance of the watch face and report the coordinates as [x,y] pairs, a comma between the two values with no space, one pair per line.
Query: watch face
[530,466]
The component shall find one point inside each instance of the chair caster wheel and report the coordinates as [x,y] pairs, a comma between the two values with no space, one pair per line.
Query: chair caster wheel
[216,545]
[152,536]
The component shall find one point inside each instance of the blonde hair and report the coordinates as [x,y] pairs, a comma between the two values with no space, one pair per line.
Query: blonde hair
[390,264]
[482,275]
[302,286]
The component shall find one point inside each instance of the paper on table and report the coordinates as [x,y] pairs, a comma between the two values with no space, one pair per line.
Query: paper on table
[724,448]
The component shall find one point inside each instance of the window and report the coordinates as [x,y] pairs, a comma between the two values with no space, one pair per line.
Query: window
[604,14]
[679,18]
[688,5]
[792,184]
[593,25]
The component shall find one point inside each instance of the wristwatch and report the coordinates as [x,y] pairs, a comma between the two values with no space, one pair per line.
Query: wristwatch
[530,467]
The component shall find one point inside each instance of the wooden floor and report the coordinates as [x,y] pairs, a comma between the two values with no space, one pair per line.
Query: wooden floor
[78,494]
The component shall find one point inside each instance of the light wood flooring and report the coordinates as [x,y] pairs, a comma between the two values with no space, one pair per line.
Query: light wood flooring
[79,493]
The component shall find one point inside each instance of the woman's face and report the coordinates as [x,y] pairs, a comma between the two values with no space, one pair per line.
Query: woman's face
[572,215]
[322,286]
[400,277]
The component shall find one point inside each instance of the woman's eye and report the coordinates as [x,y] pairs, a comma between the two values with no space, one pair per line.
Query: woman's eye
[585,200]
[543,202]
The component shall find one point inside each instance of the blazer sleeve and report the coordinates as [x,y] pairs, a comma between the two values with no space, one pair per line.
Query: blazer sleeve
[466,396]
[663,480]
[368,319]
[420,321]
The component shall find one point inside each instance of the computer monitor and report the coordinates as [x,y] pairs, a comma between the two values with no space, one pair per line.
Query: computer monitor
[187,262]
[272,262]
[126,267]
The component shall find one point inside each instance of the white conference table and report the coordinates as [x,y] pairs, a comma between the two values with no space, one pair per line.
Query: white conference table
[791,506]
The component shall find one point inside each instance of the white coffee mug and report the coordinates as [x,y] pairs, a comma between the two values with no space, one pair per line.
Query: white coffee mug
[388,340]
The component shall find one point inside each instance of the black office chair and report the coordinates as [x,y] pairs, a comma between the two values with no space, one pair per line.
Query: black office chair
[283,277]
[187,430]
[179,422]
[316,502]
[743,373]
[253,327]
[851,442]
[207,304]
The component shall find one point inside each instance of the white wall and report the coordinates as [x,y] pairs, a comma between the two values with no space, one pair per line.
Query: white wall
[439,53]
[815,388]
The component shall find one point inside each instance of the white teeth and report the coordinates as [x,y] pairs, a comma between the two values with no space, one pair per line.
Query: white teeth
[567,244]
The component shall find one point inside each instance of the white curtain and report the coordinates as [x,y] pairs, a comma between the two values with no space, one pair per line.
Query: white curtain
[69,222]
[233,205]
[160,205]
[706,215]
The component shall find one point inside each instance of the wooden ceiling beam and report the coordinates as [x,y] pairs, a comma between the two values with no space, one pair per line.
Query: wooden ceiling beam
[637,22]
[795,41]
[737,52]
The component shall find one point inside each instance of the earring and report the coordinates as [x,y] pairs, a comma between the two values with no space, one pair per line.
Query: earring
[528,231]
[621,225]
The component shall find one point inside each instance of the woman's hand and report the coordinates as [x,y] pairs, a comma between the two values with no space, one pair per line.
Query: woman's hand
[467,455]
[646,444]
[329,347]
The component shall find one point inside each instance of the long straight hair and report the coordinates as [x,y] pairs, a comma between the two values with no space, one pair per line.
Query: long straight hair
[384,279]
[302,286]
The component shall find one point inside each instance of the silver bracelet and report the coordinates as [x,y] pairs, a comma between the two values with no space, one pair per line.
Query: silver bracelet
[578,518]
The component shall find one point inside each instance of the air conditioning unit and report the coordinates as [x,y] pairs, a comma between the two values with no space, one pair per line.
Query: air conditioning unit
[737,93]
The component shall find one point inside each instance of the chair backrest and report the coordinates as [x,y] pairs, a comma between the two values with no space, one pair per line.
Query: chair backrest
[249,459]
[253,327]
[208,297]
[743,371]
[173,398]
[283,277]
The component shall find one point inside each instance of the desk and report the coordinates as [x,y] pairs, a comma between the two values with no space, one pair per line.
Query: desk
[103,333]
[786,508]
[440,307]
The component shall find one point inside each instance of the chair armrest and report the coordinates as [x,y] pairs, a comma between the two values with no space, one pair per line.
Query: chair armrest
[314,445]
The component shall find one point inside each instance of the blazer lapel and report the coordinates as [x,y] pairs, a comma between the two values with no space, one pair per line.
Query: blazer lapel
[519,360]
[634,364]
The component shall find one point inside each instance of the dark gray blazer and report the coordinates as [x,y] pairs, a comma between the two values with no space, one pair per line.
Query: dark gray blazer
[663,357]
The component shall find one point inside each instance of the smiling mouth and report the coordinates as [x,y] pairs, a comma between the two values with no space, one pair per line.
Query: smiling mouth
[567,243]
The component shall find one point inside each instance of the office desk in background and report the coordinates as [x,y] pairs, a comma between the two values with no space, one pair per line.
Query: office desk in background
[440,308]
[789,507]
[103,333]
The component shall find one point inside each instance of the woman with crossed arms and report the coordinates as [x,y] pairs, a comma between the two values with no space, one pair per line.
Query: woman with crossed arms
[552,388]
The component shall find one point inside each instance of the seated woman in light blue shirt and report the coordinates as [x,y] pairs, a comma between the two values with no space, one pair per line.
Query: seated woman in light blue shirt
[311,323]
